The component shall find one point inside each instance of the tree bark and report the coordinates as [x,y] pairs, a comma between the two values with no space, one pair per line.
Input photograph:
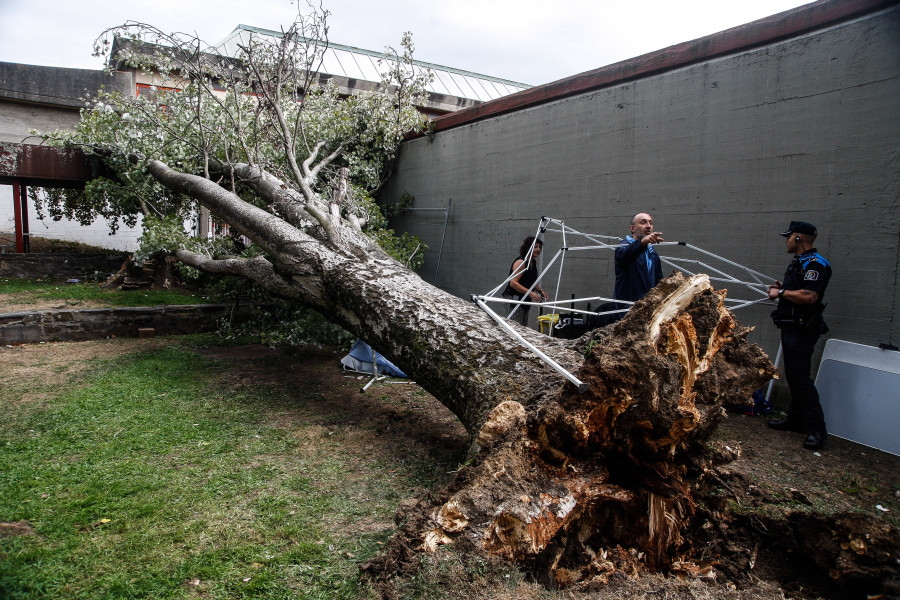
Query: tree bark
[579,485]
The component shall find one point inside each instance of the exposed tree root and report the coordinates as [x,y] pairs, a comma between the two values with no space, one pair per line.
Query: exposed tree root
[581,486]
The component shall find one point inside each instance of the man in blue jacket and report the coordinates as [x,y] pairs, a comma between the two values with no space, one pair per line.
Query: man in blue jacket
[637,265]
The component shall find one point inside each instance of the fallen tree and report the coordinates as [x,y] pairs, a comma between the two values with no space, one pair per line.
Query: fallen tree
[575,485]
[619,458]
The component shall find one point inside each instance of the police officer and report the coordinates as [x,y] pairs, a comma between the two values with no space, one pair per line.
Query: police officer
[799,316]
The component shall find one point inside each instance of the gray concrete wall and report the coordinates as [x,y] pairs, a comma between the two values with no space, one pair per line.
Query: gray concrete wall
[58,86]
[723,152]
[18,119]
[49,98]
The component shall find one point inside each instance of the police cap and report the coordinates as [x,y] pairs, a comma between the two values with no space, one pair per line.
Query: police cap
[800,227]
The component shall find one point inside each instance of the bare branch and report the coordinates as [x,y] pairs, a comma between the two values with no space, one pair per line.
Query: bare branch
[257,269]
[314,172]
[264,228]
[274,191]
[340,190]
[312,157]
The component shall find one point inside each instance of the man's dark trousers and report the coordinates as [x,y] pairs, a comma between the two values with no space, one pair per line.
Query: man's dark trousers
[797,346]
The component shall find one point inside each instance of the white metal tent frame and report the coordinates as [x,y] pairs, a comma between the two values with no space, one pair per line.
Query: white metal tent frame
[717,268]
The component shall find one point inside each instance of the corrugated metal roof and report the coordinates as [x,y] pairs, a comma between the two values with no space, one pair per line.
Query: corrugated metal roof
[358,63]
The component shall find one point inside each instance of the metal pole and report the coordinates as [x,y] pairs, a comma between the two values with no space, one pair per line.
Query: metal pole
[26,232]
[744,303]
[539,277]
[443,235]
[371,381]
[772,382]
[724,260]
[582,387]
[374,372]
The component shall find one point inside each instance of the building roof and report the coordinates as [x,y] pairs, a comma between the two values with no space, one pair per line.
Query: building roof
[358,63]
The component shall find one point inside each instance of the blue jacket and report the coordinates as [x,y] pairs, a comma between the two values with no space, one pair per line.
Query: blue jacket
[634,278]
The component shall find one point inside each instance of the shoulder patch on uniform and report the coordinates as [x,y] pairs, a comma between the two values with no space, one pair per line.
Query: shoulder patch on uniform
[817,258]
[811,276]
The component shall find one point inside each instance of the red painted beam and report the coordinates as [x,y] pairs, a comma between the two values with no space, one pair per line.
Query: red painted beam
[22,165]
[44,166]
[811,17]
[20,210]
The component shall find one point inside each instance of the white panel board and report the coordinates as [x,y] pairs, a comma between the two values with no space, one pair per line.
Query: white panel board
[859,387]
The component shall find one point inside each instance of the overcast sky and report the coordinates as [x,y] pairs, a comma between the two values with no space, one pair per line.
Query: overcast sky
[523,40]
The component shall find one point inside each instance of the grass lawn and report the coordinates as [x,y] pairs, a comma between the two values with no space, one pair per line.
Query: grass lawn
[41,292]
[162,474]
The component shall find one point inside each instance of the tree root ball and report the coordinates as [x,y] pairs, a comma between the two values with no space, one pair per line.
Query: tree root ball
[583,485]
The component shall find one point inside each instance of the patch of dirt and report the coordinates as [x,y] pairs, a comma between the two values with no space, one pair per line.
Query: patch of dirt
[15,529]
[822,524]
[843,477]
[775,483]
[36,366]
[398,411]
[772,518]
[11,305]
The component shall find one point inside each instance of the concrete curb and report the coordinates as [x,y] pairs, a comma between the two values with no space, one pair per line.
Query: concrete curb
[100,323]
[61,265]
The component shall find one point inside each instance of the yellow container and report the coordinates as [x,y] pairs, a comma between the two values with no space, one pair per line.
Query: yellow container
[546,322]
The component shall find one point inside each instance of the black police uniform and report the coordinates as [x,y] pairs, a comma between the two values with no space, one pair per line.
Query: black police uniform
[801,325]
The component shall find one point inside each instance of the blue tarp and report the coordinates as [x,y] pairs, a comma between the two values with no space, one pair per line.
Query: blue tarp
[360,359]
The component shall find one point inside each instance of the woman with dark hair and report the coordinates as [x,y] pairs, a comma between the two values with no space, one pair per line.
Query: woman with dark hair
[525,273]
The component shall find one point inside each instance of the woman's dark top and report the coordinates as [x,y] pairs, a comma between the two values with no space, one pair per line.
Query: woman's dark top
[527,278]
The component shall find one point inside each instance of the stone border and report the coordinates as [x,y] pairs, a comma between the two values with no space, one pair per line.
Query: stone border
[100,323]
[61,265]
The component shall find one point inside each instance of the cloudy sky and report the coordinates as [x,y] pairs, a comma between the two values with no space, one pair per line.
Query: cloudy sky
[526,41]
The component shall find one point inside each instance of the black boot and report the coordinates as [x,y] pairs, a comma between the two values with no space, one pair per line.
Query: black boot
[815,441]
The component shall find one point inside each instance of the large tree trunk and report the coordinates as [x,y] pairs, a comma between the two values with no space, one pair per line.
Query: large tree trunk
[449,346]
[578,484]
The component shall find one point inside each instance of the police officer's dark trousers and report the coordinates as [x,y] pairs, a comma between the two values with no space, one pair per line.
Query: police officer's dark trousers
[797,346]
